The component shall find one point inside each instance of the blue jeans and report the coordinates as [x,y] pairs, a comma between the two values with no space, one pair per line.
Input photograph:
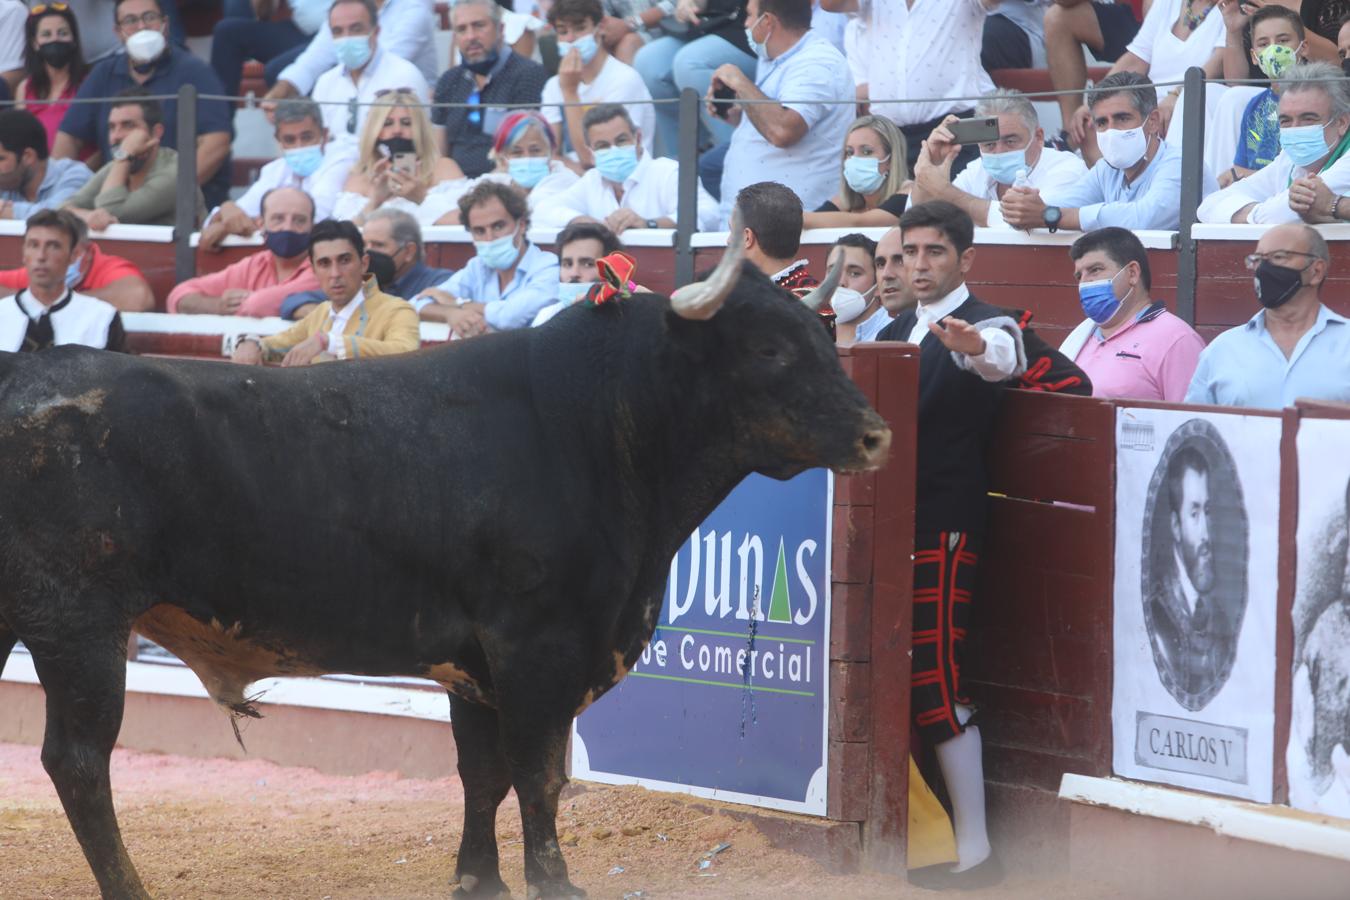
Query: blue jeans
[669,65]
[237,39]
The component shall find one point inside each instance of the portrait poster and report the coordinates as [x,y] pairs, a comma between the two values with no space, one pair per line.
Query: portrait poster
[1318,754]
[1197,515]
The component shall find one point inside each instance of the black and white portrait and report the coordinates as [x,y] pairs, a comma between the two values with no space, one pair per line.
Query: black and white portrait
[1318,756]
[1194,564]
[1195,591]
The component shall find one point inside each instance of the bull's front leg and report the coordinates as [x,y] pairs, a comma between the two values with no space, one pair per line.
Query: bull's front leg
[535,721]
[486,778]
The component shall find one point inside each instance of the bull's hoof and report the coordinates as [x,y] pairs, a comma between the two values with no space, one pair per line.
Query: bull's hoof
[481,887]
[563,890]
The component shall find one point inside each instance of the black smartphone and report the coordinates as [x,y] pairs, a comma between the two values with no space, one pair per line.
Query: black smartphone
[723,97]
[975,131]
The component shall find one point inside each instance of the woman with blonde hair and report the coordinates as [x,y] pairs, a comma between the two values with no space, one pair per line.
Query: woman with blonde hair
[873,183]
[398,166]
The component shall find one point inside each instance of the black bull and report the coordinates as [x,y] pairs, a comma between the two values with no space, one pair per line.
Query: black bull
[498,516]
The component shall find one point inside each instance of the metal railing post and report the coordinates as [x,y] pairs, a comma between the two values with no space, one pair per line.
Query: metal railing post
[185,214]
[1192,188]
[686,222]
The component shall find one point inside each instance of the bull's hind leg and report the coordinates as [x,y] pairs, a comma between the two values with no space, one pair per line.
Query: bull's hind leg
[486,777]
[84,677]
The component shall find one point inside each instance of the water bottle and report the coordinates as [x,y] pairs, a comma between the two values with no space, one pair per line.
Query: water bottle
[1021,180]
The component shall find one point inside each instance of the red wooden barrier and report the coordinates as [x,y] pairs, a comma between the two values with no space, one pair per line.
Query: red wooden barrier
[1040,647]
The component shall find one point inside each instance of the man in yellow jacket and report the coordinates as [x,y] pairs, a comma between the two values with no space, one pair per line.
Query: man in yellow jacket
[356,320]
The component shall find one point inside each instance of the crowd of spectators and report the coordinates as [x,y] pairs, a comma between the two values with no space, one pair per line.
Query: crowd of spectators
[562,115]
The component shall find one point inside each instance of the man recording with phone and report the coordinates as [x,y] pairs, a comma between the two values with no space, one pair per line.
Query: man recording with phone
[795,142]
[1016,155]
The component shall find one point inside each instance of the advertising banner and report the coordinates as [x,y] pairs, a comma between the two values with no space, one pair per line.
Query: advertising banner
[1318,755]
[729,699]
[1197,520]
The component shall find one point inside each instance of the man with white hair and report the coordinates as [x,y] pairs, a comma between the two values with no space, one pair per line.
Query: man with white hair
[1020,149]
[1306,181]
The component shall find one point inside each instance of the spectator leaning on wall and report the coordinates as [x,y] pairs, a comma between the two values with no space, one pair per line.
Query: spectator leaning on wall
[1129,345]
[356,320]
[1306,180]
[1294,346]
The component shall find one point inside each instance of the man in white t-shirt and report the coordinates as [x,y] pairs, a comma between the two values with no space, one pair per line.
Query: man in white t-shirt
[923,49]
[364,72]
[1020,149]
[628,188]
[587,74]
[1160,55]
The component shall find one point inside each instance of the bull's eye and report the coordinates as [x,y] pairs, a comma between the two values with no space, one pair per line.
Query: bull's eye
[768,351]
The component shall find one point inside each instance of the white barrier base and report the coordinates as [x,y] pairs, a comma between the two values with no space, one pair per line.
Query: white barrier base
[1276,826]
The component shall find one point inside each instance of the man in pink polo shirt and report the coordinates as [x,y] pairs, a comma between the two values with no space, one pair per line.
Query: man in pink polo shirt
[256,284]
[1129,345]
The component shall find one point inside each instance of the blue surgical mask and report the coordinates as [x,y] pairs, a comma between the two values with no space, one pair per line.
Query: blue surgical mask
[863,173]
[73,274]
[616,163]
[1098,298]
[352,52]
[527,171]
[759,48]
[499,254]
[571,291]
[304,161]
[1305,144]
[1003,167]
[585,46]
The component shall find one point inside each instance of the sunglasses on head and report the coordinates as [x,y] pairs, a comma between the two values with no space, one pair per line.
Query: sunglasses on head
[48,7]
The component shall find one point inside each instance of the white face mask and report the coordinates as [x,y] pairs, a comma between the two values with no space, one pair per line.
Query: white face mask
[1122,149]
[848,304]
[145,45]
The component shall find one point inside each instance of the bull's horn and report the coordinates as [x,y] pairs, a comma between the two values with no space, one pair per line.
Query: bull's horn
[702,299]
[823,292]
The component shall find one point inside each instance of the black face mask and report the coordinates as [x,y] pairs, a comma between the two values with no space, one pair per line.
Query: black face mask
[484,65]
[1275,285]
[382,267]
[57,54]
[398,145]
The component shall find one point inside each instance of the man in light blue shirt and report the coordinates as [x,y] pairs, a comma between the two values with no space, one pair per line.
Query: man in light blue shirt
[797,142]
[1294,347]
[1134,185]
[29,179]
[509,280]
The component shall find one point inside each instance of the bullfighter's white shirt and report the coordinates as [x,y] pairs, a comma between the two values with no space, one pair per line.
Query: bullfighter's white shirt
[76,319]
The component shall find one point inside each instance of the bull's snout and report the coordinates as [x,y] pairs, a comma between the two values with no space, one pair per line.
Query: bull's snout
[873,446]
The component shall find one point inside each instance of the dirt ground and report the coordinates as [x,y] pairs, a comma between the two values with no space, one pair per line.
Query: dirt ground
[219,828]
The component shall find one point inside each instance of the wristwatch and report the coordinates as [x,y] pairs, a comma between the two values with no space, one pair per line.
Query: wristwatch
[119,153]
[1052,215]
[652,223]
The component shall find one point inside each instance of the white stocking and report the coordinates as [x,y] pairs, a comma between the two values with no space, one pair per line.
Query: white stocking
[963,771]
